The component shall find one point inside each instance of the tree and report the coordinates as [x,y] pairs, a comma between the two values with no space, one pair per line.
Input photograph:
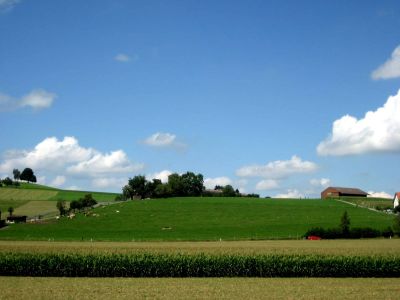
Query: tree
[10,210]
[16,174]
[138,186]
[176,185]
[62,207]
[28,175]
[345,224]
[128,192]
[228,191]
[192,184]
[396,224]
[7,181]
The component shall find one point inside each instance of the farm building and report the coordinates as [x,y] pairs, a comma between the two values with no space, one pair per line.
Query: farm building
[396,200]
[334,192]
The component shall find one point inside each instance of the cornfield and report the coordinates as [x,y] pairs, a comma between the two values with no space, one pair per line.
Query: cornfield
[197,265]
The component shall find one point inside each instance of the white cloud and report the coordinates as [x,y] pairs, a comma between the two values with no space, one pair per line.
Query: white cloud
[99,163]
[68,156]
[378,131]
[210,183]
[124,58]
[390,69]
[58,181]
[7,5]
[37,99]
[50,154]
[109,182]
[379,195]
[322,182]
[163,176]
[294,194]
[278,169]
[267,184]
[163,139]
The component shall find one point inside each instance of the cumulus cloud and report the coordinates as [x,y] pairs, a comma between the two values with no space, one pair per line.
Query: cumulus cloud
[322,182]
[379,195]
[124,58]
[378,131]
[8,5]
[58,181]
[109,182]
[294,194]
[210,183]
[99,163]
[163,139]
[278,169]
[390,69]
[267,184]
[68,156]
[37,100]
[163,176]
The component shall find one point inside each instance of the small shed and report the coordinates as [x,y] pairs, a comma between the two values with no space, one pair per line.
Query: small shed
[396,200]
[335,192]
[17,219]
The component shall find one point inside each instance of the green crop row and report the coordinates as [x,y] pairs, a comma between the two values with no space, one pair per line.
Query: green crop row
[198,265]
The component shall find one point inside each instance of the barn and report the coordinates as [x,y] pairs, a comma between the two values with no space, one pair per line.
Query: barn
[335,192]
[396,200]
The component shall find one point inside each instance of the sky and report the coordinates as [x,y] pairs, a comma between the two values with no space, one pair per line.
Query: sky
[280,98]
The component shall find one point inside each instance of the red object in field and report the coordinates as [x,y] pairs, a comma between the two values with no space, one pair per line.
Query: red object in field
[313,238]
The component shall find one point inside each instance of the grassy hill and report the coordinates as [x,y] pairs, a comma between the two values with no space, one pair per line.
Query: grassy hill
[34,199]
[199,219]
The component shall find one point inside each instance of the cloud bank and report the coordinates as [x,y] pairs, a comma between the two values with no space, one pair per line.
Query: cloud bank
[8,5]
[163,140]
[210,183]
[378,131]
[278,169]
[390,69]
[67,158]
[37,99]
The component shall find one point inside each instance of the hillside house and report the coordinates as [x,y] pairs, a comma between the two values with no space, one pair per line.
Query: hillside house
[396,200]
[336,192]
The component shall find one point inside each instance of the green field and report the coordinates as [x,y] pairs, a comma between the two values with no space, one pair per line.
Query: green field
[199,288]
[198,219]
[26,198]
[379,203]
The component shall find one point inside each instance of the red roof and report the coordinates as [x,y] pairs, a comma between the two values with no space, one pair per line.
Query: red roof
[397,194]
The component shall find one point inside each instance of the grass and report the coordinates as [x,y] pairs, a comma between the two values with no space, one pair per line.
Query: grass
[199,219]
[36,208]
[290,247]
[199,288]
[381,203]
[26,199]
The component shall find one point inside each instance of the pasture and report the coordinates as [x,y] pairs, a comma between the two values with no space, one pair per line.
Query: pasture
[198,219]
[35,199]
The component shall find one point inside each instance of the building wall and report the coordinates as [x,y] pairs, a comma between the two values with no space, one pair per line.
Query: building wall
[329,193]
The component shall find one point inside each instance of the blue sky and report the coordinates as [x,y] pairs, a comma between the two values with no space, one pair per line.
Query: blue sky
[269,96]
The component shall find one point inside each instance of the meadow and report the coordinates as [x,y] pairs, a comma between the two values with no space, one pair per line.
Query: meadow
[33,200]
[198,219]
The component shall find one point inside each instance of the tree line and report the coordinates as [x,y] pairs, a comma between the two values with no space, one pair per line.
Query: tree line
[188,184]
[26,175]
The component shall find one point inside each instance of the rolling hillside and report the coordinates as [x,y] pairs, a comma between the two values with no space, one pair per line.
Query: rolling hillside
[34,199]
[199,219]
